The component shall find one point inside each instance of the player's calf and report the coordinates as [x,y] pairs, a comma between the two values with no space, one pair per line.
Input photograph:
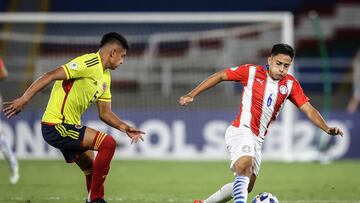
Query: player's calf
[85,162]
[243,170]
[106,145]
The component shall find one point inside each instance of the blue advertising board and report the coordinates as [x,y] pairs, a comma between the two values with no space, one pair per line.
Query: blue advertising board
[186,134]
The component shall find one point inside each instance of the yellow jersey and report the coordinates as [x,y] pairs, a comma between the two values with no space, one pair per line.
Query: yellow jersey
[86,82]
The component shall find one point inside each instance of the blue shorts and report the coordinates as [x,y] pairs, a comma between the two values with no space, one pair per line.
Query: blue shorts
[67,138]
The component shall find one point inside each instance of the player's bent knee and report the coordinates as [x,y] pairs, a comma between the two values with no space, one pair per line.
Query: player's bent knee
[243,166]
[109,143]
[103,141]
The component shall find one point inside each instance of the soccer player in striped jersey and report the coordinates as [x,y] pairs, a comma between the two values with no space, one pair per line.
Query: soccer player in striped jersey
[266,88]
[78,84]
[4,144]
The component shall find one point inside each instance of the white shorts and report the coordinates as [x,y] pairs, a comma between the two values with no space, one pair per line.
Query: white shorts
[242,142]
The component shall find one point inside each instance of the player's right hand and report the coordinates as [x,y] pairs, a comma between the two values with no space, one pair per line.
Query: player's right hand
[186,99]
[135,134]
[14,107]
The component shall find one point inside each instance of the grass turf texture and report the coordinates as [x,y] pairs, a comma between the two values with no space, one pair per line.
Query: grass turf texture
[181,182]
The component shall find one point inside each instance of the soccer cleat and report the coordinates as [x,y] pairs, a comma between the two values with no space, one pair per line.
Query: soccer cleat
[14,175]
[198,201]
[98,200]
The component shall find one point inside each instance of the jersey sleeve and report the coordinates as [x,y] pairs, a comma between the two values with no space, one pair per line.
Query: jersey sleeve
[238,73]
[297,95]
[106,96]
[77,68]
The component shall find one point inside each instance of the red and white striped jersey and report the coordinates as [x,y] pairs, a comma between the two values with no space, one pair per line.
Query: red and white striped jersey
[263,97]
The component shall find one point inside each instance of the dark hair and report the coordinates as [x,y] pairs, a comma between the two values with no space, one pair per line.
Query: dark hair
[283,49]
[114,37]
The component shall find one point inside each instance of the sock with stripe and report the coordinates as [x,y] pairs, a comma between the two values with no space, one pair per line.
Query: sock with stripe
[240,189]
[224,194]
[88,178]
[106,147]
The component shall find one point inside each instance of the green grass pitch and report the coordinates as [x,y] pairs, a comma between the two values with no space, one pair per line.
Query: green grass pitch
[181,182]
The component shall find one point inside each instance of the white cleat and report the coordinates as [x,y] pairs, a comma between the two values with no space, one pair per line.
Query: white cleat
[14,176]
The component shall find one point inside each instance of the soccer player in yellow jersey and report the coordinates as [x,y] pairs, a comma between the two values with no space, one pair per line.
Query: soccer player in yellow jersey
[78,84]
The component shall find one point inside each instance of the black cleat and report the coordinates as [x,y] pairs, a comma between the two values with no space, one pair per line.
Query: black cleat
[98,200]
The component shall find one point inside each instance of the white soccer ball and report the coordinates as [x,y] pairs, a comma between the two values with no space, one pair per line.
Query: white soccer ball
[265,197]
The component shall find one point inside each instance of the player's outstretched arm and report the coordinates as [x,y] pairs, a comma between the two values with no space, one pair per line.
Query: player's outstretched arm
[110,118]
[204,85]
[318,120]
[14,107]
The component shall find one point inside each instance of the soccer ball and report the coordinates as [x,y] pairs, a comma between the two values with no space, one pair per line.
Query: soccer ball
[265,197]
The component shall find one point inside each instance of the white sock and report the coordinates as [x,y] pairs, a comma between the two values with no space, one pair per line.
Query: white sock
[240,189]
[222,195]
[8,153]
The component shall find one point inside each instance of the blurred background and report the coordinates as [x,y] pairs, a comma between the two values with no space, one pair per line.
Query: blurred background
[174,46]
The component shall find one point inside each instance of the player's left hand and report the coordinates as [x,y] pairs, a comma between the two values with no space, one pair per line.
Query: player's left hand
[334,131]
[186,99]
[135,134]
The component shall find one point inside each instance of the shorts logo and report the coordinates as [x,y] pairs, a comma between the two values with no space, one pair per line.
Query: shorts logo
[73,65]
[283,89]
[78,126]
[246,149]
[104,86]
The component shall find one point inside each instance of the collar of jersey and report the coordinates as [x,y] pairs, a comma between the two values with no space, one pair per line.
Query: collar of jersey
[101,65]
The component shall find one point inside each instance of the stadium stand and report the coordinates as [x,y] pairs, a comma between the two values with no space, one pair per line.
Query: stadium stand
[336,18]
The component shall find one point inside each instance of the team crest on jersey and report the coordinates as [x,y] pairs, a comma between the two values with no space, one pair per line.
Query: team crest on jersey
[104,86]
[73,65]
[234,68]
[283,89]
